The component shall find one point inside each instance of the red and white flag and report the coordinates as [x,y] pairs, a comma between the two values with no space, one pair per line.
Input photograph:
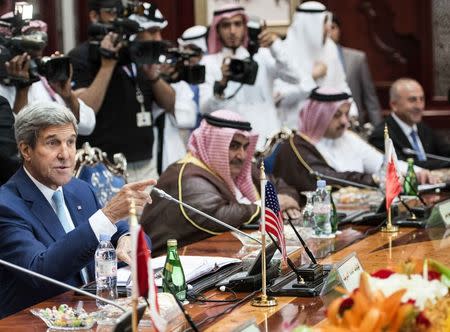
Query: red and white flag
[143,276]
[393,185]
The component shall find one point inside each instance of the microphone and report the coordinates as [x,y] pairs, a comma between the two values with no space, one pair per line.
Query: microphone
[411,152]
[123,323]
[163,194]
[308,252]
[348,182]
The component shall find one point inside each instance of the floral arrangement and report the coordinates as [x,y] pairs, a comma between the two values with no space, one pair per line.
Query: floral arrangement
[411,297]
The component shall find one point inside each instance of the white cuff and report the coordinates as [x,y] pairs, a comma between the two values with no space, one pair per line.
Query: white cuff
[100,224]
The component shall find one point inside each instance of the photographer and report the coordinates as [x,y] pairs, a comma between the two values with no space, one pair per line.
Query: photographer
[121,94]
[29,88]
[229,38]
[172,129]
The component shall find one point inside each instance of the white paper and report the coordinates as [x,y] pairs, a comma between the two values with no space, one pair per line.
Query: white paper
[193,267]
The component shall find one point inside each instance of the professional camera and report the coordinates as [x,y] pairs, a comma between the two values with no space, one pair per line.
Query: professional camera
[54,69]
[123,27]
[184,71]
[245,71]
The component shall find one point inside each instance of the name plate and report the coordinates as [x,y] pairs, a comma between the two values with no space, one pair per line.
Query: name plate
[349,272]
[440,215]
[346,273]
[444,210]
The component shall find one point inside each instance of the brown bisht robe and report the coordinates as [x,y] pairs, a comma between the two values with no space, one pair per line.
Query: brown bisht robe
[202,189]
[289,167]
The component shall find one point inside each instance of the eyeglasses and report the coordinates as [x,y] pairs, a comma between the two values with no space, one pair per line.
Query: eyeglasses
[111,11]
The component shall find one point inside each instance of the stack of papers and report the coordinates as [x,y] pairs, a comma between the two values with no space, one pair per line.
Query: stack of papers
[194,267]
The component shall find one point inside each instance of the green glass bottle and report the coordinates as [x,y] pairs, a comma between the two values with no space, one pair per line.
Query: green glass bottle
[174,281]
[333,217]
[410,185]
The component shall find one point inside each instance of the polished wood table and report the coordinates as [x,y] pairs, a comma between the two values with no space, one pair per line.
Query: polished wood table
[374,249]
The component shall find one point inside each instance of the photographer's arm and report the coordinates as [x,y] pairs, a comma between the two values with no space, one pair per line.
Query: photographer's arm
[283,68]
[163,93]
[18,67]
[95,93]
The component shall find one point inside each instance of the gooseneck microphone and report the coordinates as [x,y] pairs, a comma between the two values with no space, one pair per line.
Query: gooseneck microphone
[339,180]
[163,194]
[411,152]
[59,283]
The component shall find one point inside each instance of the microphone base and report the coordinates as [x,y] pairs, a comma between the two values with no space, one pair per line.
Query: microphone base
[288,285]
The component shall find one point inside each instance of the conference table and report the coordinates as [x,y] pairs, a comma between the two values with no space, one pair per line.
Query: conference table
[374,249]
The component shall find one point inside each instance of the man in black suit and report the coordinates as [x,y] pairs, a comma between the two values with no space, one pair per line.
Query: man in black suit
[9,157]
[406,128]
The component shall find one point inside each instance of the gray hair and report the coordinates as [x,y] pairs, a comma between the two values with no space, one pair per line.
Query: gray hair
[395,87]
[37,116]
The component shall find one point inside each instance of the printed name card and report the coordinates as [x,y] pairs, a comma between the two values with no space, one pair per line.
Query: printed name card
[349,272]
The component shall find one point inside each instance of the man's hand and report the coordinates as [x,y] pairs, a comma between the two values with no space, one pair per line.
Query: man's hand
[289,207]
[151,71]
[119,206]
[18,66]
[319,70]
[225,68]
[266,38]
[123,249]
[424,176]
[109,43]
[63,88]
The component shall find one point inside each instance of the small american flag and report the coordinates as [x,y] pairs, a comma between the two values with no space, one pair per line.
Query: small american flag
[274,219]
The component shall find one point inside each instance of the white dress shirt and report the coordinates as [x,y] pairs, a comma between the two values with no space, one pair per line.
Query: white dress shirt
[37,91]
[407,130]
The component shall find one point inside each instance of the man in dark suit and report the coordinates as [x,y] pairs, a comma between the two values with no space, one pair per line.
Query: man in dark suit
[406,128]
[50,222]
[358,77]
[9,158]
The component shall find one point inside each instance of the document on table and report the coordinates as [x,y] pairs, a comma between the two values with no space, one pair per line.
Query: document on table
[194,267]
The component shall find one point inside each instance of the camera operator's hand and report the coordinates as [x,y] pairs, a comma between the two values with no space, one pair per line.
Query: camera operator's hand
[225,68]
[152,71]
[109,43]
[266,38]
[319,70]
[18,66]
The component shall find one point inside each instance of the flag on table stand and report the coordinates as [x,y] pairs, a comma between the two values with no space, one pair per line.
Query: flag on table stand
[393,185]
[143,277]
[274,218]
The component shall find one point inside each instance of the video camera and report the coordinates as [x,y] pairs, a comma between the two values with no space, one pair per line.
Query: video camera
[245,71]
[54,69]
[184,71]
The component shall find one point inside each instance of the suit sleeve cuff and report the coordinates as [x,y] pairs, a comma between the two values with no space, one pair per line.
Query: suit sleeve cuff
[100,224]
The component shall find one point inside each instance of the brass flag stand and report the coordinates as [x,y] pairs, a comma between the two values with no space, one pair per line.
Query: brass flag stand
[389,228]
[263,300]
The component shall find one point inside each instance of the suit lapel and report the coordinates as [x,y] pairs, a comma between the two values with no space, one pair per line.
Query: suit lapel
[397,135]
[39,205]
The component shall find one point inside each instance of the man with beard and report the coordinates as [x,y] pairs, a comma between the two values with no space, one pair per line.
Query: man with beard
[406,128]
[323,144]
[215,177]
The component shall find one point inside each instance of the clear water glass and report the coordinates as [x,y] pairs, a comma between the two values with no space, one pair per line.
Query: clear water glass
[308,210]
